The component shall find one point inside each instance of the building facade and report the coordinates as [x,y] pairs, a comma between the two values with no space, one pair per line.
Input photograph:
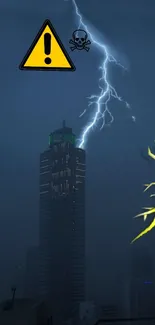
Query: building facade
[62,223]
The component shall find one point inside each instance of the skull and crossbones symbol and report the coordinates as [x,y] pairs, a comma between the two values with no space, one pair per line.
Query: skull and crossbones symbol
[80,40]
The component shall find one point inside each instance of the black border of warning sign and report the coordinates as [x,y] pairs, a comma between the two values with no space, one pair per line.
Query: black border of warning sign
[45,24]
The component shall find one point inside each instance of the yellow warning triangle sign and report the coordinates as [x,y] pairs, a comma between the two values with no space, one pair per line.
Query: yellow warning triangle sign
[47,52]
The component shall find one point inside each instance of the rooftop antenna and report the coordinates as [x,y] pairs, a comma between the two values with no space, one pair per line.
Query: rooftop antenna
[64,124]
[10,303]
[13,289]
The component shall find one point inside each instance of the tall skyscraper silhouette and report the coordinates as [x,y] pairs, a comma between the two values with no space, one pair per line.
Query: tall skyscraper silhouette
[62,223]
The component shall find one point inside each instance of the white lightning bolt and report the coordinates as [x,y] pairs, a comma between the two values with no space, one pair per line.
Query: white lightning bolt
[107,91]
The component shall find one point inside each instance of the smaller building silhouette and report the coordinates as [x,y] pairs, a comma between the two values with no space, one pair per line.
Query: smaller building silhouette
[142,285]
[24,312]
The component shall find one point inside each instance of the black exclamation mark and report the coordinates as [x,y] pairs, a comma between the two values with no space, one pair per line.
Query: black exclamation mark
[47,47]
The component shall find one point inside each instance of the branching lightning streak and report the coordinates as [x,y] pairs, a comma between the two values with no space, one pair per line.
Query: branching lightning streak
[107,91]
[150,211]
